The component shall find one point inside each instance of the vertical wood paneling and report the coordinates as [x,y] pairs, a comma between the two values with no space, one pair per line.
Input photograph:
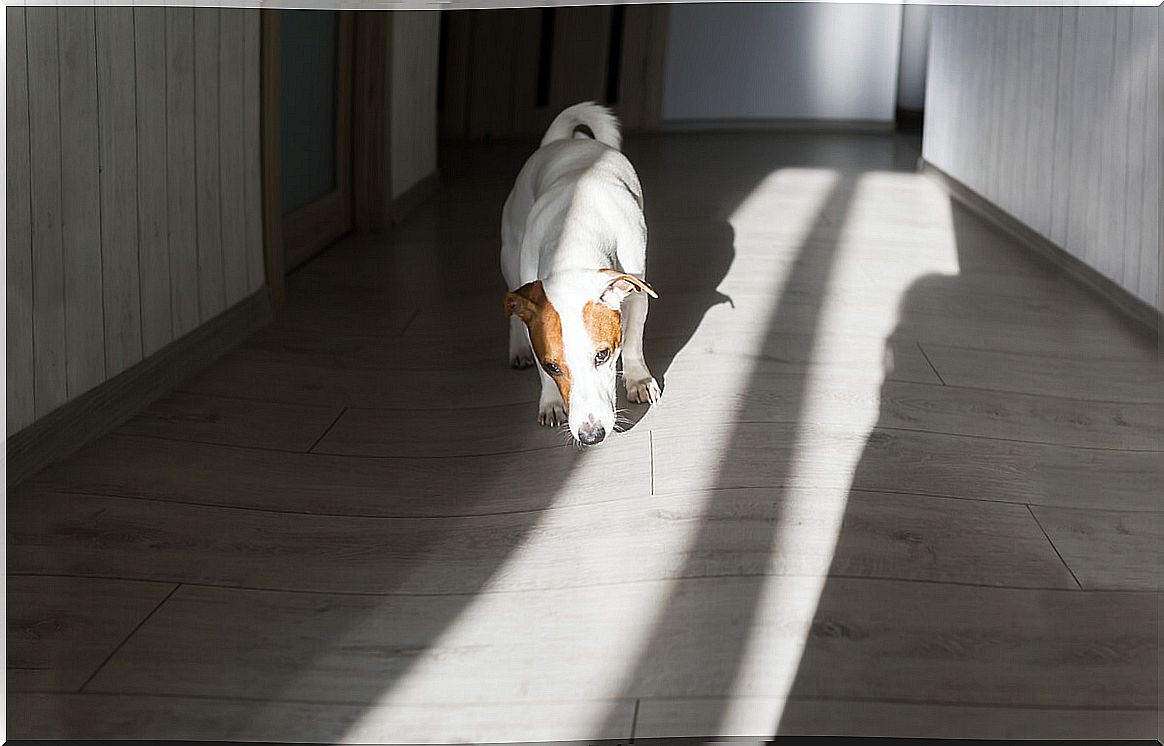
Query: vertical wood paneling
[1063,130]
[18,228]
[211,282]
[181,182]
[1082,144]
[252,151]
[1114,174]
[1152,253]
[1021,113]
[48,294]
[81,202]
[491,104]
[117,115]
[1099,40]
[152,179]
[232,189]
[1053,115]
[581,41]
[133,163]
[1133,76]
[1040,151]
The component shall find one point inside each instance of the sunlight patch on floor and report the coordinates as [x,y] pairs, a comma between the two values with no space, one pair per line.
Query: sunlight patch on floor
[497,647]
[814,510]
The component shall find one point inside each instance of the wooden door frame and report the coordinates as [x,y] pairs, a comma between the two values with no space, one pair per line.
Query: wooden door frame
[361,144]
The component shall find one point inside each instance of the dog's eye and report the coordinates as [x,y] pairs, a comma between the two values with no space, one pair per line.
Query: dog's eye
[601,357]
[552,369]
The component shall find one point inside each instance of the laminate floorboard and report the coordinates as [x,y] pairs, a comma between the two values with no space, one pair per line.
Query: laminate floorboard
[1108,549]
[233,421]
[884,535]
[904,481]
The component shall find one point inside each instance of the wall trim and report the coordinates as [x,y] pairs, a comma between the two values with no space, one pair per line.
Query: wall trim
[775,125]
[414,196]
[1141,313]
[66,429]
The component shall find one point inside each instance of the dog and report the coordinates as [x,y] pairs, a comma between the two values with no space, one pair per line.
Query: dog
[574,257]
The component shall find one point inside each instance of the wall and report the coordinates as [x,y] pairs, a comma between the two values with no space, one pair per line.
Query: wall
[133,204]
[1053,114]
[915,45]
[415,47]
[781,61]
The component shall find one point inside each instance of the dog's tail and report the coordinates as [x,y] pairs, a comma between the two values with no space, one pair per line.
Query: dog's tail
[587,119]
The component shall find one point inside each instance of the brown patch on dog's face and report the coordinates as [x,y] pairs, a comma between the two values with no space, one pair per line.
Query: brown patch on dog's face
[604,324]
[530,304]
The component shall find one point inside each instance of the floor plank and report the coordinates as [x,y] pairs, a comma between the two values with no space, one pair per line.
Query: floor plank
[238,422]
[760,454]
[843,398]
[1102,380]
[60,630]
[258,377]
[322,484]
[867,389]
[915,642]
[754,718]
[1109,549]
[887,536]
[108,717]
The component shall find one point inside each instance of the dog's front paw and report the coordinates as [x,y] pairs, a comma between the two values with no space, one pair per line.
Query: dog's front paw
[552,414]
[643,390]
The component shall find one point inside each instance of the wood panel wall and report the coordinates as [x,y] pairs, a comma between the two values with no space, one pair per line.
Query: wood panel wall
[492,60]
[1054,115]
[133,212]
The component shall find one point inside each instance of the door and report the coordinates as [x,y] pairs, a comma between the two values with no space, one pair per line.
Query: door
[507,73]
[314,129]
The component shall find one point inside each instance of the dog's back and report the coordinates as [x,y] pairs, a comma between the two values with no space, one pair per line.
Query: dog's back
[578,171]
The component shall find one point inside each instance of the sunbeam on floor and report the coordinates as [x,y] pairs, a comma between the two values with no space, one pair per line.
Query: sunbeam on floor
[899,484]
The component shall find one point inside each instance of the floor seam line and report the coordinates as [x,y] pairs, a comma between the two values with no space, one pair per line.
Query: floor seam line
[930,362]
[1053,547]
[334,422]
[132,632]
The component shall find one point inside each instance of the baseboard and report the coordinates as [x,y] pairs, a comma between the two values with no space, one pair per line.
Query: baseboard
[66,429]
[775,125]
[1140,313]
[414,196]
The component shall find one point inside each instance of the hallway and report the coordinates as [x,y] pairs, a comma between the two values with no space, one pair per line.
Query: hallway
[903,481]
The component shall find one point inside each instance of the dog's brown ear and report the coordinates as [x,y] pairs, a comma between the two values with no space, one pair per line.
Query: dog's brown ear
[523,302]
[621,285]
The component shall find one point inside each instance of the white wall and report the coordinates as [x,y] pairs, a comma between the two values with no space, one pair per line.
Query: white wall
[1053,114]
[781,61]
[415,48]
[915,46]
[133,196]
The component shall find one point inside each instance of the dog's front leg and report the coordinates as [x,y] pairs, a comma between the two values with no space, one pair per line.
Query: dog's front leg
[641,386]
[520,352]
[551,408]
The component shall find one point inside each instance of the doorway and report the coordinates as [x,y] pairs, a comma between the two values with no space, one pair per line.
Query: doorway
[315,130]
[326,87]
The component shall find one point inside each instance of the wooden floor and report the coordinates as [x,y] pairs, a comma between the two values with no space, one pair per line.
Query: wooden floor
[905,480]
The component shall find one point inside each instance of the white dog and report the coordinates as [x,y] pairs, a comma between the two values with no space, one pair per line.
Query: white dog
[574,253]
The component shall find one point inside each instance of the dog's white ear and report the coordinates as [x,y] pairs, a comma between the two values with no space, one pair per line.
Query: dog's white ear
[523,302]
[620,286]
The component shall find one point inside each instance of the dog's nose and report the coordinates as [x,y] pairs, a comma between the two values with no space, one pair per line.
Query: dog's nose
[591,434]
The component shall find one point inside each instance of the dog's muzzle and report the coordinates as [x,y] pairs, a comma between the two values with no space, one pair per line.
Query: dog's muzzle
[591,433]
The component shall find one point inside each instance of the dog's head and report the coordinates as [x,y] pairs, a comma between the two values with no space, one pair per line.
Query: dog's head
[575,324]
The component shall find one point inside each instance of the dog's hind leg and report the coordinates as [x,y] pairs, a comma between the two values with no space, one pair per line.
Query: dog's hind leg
[641,386]
[520,352]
